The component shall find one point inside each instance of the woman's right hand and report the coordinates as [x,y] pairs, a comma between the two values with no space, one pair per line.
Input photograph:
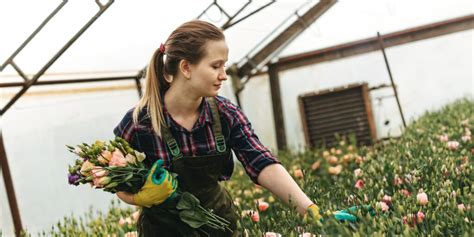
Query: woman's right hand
[159,186]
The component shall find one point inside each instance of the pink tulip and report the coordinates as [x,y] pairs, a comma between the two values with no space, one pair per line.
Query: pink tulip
[298,173]
[359,184]
[255,216]
[262,206]
[387,199]
[335,170]
[444,138]
[383,206]
[121,221]
[453,145]
[420,216]
[306,234]
[117,159]
[315,165]
[397,181]
[131,234]
[461,207]
[135,216]
[466,138]
[272,234]
[422,198]
[405,192]
[332,160]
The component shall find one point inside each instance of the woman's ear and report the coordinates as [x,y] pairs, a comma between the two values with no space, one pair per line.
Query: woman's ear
[185,68]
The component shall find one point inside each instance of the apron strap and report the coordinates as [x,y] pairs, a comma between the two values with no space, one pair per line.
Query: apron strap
[216,129]
[216,126]
[171,142]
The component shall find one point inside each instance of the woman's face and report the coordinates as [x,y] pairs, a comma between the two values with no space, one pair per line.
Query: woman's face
[207,75]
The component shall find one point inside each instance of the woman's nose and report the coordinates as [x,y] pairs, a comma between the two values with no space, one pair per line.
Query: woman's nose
[223,75]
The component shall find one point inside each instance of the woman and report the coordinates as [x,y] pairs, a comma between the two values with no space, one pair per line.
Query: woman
[181,121]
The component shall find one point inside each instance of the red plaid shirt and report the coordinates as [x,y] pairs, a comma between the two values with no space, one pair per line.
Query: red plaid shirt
[236,129]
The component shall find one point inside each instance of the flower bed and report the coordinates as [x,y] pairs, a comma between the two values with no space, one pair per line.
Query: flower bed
[420,183]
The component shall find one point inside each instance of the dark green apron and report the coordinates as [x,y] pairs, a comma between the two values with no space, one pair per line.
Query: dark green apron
[198,175]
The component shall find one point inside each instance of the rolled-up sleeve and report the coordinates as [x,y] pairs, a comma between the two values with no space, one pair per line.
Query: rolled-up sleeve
[253,155]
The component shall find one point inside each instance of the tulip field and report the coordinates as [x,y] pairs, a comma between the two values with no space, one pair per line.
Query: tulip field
[416,184]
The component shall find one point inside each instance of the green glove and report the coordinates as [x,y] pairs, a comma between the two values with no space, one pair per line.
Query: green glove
[344,215]
[159,186]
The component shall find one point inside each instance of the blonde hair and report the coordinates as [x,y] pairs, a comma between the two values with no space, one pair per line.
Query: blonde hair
[187,42]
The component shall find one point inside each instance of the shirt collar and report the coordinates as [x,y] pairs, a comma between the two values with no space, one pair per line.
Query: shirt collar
[205,116]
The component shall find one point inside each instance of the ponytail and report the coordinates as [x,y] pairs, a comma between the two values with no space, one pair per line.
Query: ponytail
[152,99]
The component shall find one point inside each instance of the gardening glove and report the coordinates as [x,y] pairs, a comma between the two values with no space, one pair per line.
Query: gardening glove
[344,215]
[159,186]
[312,213]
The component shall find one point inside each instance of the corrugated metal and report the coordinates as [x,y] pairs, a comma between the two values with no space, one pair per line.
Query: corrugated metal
[346,110]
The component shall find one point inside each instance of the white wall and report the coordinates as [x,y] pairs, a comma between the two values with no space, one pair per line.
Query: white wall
[429,74]
[35,132]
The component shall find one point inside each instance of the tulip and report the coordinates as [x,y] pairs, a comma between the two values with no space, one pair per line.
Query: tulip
[135,216]
[335,170]
[444,138]
[420,216]
[255,216]
[357,172]
[332,160]
[383,206]
[272,234]
[262,206]
[453,145]
[298,173]
[422,198]
[121,221]
[131,234]
[461,207]
[466,138]
[315,165]
[359,184]
[387,199]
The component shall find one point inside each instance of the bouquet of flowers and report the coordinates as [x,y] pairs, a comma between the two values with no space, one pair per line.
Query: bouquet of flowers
[114,166]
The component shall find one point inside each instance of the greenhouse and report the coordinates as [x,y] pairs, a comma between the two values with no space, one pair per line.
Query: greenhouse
[236,118]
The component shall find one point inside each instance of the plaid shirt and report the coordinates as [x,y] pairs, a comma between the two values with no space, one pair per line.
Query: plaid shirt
[236,129]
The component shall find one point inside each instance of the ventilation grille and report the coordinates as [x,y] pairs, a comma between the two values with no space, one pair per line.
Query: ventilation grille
[343,111]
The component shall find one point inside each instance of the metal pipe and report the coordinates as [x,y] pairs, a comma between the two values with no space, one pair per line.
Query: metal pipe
[7,179]
[382,47]
[55,57]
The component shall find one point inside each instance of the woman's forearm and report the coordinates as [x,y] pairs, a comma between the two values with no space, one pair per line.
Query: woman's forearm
[126,197]
[277,180]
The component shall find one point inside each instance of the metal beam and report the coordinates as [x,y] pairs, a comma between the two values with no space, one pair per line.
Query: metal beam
[275,91]
[290,33]
[372,44]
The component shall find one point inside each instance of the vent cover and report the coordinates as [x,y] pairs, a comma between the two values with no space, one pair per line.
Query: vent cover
[344,111]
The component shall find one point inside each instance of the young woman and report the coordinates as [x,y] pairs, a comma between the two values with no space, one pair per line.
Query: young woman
[181,121]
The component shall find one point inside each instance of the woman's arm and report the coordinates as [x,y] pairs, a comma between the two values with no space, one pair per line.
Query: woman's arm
[277,180]
[126,197]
